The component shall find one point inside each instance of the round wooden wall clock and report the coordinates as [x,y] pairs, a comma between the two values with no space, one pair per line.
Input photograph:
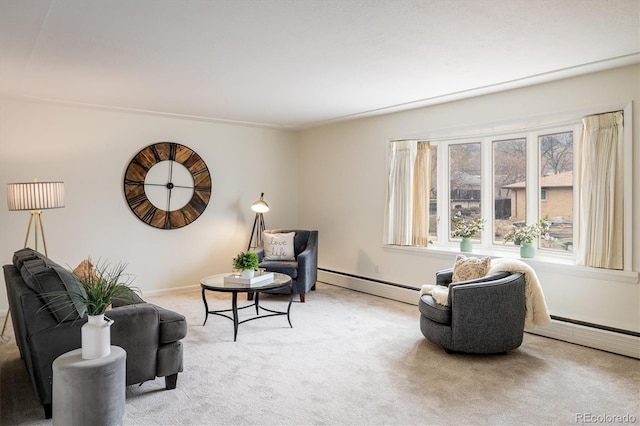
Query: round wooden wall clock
[167,185]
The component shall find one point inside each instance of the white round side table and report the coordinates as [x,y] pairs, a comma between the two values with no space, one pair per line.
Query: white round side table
[89,391]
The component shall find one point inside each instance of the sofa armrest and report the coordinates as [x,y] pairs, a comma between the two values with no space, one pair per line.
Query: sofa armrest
[134,324]
[173,326]
[308,266]
[495,303]
[136,329]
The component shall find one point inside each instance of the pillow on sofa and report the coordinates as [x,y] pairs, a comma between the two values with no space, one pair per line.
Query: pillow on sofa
[470,268]
[22,255]
[85,270]
[46,279]
[278,246]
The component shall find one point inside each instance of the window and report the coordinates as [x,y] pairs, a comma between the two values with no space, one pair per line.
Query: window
[556,189]
[433,195]
[464,181]
[509,186]
[515,179]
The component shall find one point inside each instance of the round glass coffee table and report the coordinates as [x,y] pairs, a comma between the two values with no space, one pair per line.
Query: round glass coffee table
[217,283]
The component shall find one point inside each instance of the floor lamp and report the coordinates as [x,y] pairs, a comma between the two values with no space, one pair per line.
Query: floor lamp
[259,207]
[34,197]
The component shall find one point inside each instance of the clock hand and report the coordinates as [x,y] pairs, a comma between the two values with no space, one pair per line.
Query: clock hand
[169,187]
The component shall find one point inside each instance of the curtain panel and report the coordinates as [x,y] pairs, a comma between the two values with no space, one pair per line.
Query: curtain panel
[399,212]
[421,195]
[600,183]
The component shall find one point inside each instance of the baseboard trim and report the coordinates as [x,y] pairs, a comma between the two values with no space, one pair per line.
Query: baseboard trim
[593,336]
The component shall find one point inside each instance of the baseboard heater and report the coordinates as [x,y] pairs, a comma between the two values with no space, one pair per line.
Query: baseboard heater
[595,336]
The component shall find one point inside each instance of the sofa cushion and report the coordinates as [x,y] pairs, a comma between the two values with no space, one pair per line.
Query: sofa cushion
[173,326]
[279,246]
[24,254]
[434,311]
[131,298]
[470,268]
[283,267]
[48,279]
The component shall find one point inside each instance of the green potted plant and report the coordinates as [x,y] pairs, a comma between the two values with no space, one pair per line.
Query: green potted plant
[466,230]
[98,288]
[524,236]
[247,263]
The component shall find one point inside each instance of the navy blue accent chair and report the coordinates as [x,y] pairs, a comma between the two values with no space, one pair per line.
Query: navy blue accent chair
[304,269]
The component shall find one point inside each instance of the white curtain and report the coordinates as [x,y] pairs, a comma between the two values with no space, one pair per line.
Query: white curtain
[421,189]
[600,192]
[399,193]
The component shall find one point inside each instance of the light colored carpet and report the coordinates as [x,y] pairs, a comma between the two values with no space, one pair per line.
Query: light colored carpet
[353,359]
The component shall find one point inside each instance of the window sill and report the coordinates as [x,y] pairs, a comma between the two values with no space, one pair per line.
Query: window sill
[559,263]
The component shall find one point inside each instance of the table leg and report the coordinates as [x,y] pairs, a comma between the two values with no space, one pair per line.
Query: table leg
[289,307]
[206,308]
[257,294]
[234,305]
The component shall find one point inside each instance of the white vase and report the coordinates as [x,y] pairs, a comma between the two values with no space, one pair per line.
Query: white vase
[96,337]
[248,273]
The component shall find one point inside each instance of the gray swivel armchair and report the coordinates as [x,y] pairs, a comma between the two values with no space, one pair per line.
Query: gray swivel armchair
[484,316]
[304,269]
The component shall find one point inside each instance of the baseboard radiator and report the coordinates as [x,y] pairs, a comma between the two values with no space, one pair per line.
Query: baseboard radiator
[561,329]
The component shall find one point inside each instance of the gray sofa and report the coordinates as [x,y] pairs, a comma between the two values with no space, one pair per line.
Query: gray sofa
[149,334]
[484,316]
[304,269]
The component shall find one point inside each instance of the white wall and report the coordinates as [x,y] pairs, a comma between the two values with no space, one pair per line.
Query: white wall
[89,149]
[343,183]
[330,178]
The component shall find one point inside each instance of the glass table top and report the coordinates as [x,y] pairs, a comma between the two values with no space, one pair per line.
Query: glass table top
[217,282]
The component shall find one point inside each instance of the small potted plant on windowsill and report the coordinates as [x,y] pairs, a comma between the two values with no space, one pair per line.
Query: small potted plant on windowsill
[466,230]
[524,236]
[246,262]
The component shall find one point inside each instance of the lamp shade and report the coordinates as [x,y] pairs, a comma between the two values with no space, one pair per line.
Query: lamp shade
[260,206]
[35,195]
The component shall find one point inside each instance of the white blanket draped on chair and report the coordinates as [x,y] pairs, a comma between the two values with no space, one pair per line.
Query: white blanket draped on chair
[536,307]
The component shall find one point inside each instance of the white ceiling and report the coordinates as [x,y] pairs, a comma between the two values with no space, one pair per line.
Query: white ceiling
[297,63]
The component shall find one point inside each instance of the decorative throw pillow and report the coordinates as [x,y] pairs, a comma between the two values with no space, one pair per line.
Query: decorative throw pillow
[470,268]
[278,246]
[85,270]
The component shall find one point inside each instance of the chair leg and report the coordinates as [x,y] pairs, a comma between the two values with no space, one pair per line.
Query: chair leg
[48,411]
[250,296]
[171,381]
[301,297]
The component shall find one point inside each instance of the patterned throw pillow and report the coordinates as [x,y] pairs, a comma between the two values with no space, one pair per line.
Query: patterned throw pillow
[84,270]
[278,246]
[470,268]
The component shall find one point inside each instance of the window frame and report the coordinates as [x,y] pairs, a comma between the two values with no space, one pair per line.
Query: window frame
[530,129]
